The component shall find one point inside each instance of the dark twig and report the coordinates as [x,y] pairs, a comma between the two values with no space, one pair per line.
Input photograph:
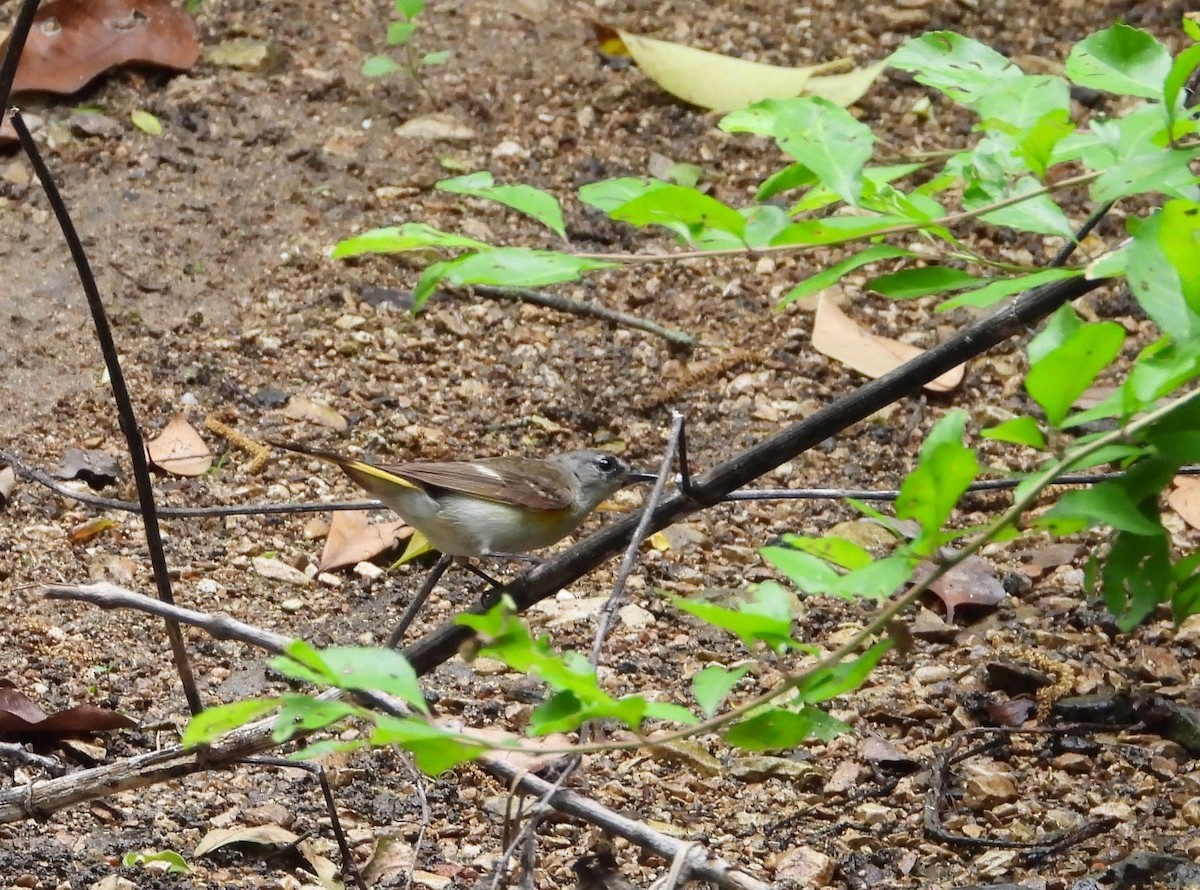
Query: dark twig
[410,613]
[125,412]
[608,611]
[575,307]
[335,822]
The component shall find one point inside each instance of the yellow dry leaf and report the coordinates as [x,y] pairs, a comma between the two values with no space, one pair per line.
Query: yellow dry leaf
[836,335]
[1184,499]
[723,83]
[659,542]
[418,545]
[179,450]
[844,89]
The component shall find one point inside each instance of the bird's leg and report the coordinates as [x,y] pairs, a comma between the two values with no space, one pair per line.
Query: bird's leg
[410,613]
[479,573]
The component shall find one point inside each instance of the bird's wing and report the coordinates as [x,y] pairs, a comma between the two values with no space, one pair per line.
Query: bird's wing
[497,479]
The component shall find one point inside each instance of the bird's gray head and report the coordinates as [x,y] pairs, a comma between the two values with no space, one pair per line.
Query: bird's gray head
[597,474]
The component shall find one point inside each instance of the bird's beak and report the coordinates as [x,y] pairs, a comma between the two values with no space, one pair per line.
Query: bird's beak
[640,476]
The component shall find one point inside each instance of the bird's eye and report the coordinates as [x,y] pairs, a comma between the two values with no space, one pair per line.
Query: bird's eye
[607,464]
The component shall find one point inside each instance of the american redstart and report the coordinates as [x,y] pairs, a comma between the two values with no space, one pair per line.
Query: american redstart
[493,506]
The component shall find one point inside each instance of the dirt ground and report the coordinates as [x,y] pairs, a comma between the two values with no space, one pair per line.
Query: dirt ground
[210,243]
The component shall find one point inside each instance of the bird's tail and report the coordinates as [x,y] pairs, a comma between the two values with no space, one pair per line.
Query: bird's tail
[376,480]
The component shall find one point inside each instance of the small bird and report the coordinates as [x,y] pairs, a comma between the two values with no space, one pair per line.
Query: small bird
[496,506]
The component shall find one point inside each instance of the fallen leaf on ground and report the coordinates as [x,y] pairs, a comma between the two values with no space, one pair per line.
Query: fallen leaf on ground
[20,716]
[90,530]
[179,450]
[972,582]
[724,83]
[258,835]
[73,41]
[96,468]
[839,337]
[1184,499]
[352,539]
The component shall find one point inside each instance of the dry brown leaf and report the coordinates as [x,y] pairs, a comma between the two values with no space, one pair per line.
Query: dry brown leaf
[73,41]
[21,717]
[352,539]
[972,582]
[179,450]
[836,335]
[1184,499]
[259,835]
[723,83]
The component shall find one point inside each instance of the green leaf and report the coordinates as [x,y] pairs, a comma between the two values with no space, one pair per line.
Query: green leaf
[1167,171]
[609,194]
[674,204]
[780,728]
[822,136]
[1104,504]
[510,267]
[1059,377]
[410,8]
[1157,282]
[836,272]
[874,181]
[877,580]
[767,618]
[216,721]
[399,33]
[410,236]
[1121,60]
[379,66]
[962,68]
[374,668]
[1021,103]
[438,57]
[927,280]
[996,289]
[836,229]
[1181,69]
[944,471]
[176,864]
[831,548]
[526,199]
[713,683]
[1136,576]
[1037,213]
[793,176]
[434,749]
[1018,431]
[810,573]
[304,713]
[146,122]
[830,682]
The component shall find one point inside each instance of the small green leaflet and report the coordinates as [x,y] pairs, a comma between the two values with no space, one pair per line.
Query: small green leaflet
[526,199]
[945,468]
[505,267]
[830,682]
[923,282]
[410,236]
[146,122]
[216,721]
[964,69]
[1066,357]
[712,684]
[993,290]
[768,618]
[783,729]
[821,135]
[673,204]
[379,66]
[1018,431]
[836,272]
[1122,60]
